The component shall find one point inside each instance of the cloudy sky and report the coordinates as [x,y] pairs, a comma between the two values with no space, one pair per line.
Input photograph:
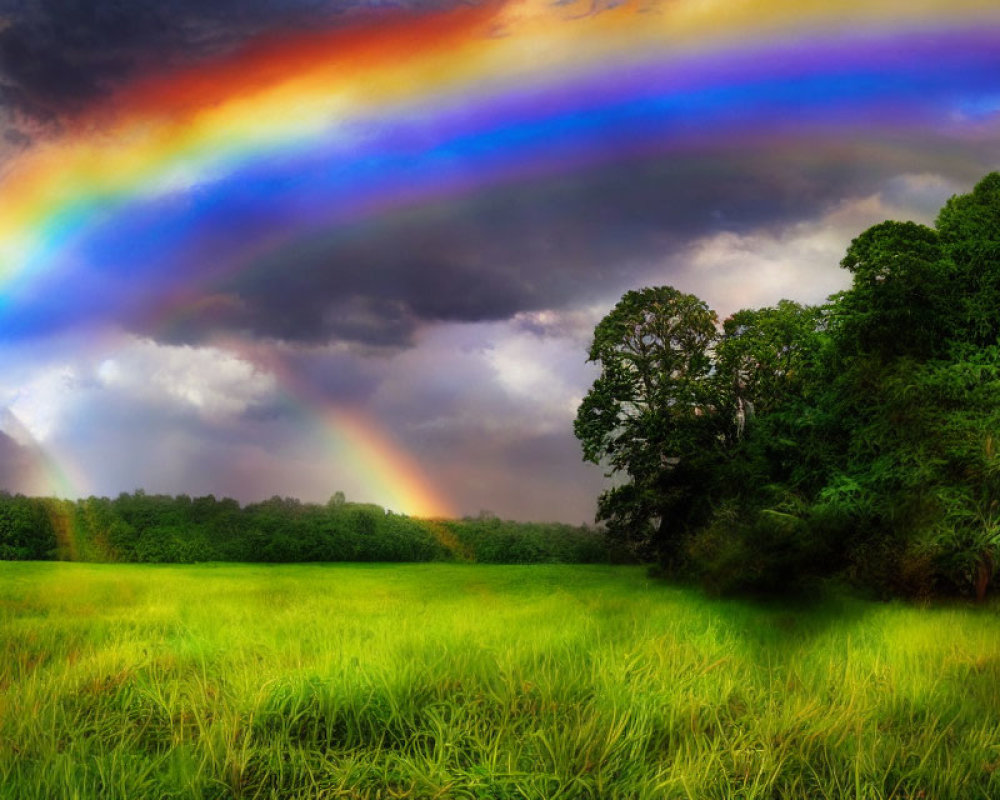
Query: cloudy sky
[258,247]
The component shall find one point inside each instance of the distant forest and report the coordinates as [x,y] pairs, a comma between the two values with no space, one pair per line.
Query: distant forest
[150,528]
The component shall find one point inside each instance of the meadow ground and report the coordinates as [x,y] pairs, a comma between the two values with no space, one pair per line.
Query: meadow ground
[466,681]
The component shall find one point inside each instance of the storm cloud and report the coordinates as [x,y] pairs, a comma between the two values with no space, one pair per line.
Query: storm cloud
[557,243]
[59,56]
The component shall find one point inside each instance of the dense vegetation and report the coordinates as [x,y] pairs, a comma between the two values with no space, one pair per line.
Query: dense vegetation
[139,527]
[473,682]
[861,436]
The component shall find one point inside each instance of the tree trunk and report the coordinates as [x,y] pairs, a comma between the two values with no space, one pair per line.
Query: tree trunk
[984,571]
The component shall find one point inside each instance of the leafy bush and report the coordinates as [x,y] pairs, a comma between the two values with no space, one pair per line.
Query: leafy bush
[770,550]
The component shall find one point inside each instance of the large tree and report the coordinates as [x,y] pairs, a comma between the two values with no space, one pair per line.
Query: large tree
[651,416]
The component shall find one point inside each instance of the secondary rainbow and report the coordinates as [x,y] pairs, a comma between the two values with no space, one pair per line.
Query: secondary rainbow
[179,182]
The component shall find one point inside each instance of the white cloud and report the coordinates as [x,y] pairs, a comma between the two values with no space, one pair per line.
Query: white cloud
[45,390]
[509,379]
[734,271]
[532,370]
[212,382]
[40,402]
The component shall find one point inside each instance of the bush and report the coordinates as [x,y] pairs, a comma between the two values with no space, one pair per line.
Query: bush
[758,550]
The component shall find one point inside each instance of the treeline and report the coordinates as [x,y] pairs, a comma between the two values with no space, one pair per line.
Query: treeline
[148,528]
[860,437]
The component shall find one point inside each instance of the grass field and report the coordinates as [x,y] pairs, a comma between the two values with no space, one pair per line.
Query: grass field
[463,681]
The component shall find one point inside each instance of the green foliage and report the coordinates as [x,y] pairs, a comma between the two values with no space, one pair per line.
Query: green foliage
[160,529]
[26,532]
[858,436]
[901,301]
[489,540]
[770,549]
[915,373]
[648,415]
[970,230]
[766,356]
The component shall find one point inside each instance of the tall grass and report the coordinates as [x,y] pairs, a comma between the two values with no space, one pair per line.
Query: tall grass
[472,681]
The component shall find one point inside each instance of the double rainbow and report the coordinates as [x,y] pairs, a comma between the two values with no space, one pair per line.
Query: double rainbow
[178,181]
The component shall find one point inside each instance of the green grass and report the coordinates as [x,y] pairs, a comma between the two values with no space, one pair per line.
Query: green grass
[464,681]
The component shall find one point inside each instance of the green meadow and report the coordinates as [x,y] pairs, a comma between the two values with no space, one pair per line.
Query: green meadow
[474,681]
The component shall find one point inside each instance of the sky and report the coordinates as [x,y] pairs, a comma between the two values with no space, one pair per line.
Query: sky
[294,247]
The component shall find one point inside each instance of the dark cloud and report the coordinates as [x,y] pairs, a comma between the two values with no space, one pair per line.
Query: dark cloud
[56,56]
[16,138]
[560,242]
[554,243]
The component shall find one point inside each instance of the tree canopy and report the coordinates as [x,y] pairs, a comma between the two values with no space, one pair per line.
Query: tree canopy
[860,436]
[646,414]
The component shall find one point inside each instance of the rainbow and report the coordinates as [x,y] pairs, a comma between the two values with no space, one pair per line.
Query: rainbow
[157,195]
[392,476]
[45,475]
[306,134]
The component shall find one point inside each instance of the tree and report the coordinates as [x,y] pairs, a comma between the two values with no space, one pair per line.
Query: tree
[650,416]
[952,466]
[765,355]
[337,500]
[26,530]
[969,228]
[766,370]
[760,535]
[865,432]
[902,301]
[913,375]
